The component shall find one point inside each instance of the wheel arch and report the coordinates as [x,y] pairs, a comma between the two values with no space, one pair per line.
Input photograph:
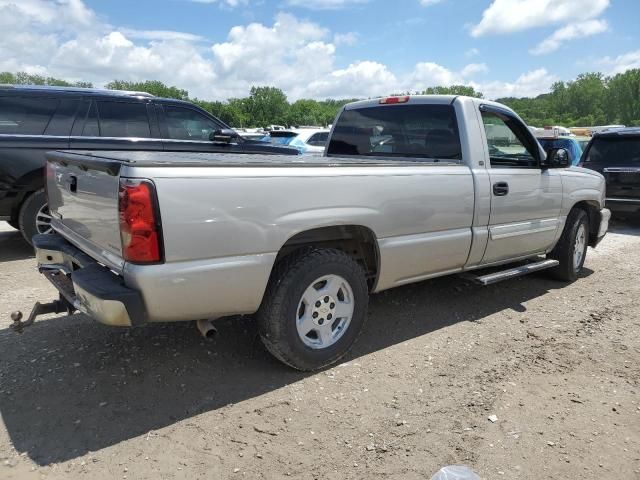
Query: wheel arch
[29,183]
[592,209]
[357,241]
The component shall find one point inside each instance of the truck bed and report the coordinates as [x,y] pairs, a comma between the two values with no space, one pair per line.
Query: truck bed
[111,160]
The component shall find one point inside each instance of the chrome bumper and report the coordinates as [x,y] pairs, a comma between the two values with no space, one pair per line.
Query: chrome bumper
[605,216]
[90,287]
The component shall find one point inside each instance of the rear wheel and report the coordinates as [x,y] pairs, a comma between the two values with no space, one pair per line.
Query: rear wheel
[34,215]
[314,309]
[571,250]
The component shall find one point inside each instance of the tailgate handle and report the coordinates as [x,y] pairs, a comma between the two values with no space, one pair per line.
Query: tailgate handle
[71,183]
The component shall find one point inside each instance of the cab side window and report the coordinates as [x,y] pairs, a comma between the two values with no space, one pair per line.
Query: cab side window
[187,124]
[508,145]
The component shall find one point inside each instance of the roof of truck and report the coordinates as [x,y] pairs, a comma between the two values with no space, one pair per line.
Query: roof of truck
[412,99]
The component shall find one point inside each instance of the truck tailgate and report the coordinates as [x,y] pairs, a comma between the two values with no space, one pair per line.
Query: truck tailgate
[83,200]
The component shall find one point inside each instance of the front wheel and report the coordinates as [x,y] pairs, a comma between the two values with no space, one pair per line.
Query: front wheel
[314,309]
[34,215]
[571,250]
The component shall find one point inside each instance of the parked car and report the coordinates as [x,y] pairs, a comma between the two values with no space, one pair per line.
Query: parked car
[616,154]
[34,120]
[306,140]
[410,188]
[570,144]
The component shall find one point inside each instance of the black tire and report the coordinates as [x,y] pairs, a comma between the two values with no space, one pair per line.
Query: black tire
[567,271]
[279,311]
[28,212]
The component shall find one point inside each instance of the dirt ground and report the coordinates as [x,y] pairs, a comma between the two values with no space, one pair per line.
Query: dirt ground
[558,365]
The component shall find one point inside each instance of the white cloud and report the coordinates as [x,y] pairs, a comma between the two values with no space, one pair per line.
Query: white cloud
[224,3]
[472,52]
[621,63]
[530,84]
[162,35]
[474,69]
[570,32]
[295,55]
[360,79]
[507,16]
[349,38]
[324,4]
[428,3]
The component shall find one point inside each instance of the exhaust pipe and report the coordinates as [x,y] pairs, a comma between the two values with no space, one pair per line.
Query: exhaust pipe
[207,329]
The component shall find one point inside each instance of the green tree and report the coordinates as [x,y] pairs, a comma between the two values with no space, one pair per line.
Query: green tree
[623,98]
[265,106]
[453,90]
[23,78]
[154,87]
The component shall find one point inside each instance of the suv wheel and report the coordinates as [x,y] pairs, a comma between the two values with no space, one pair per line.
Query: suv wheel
[314,308]
[34,215]
[571,250]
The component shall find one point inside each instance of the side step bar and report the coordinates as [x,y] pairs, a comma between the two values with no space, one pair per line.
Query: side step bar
[496,277]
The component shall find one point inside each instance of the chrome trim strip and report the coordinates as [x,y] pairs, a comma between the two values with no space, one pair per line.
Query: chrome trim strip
[624,200]
[499,232]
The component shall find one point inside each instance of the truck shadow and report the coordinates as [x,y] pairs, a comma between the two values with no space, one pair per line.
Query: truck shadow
[625,226]
[13,246]
[70,386]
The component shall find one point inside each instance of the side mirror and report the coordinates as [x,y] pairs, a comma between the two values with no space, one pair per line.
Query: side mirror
[224,135]
[557,158]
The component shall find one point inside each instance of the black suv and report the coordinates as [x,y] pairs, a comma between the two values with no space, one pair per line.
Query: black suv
[616,155]
[34,120]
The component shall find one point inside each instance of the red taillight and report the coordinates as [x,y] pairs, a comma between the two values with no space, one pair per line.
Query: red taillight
[392,100]
[139,222]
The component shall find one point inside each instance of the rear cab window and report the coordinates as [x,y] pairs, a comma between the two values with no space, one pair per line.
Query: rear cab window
[418,131]
[26,115]
[614,150]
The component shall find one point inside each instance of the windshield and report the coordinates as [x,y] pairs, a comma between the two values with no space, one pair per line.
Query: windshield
[423,131]
[614,150]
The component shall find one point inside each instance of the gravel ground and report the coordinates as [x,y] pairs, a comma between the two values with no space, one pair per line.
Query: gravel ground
[557,365]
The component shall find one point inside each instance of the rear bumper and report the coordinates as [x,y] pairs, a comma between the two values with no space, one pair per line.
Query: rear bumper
[87,285]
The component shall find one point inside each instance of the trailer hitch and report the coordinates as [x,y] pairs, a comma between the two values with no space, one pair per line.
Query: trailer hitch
[56,306]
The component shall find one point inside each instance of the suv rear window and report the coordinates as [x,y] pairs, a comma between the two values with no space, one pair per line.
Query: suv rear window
[417,131]
[614,150]
[26,116]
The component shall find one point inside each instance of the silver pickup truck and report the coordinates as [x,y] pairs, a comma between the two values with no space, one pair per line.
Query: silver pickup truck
[409,188]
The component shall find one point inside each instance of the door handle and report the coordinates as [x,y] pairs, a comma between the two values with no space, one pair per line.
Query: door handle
[500,189]
[71,182]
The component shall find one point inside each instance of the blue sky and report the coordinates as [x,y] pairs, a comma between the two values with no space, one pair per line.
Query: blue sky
[322,48]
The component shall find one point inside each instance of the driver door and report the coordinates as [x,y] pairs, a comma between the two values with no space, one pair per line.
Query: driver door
[525,199]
